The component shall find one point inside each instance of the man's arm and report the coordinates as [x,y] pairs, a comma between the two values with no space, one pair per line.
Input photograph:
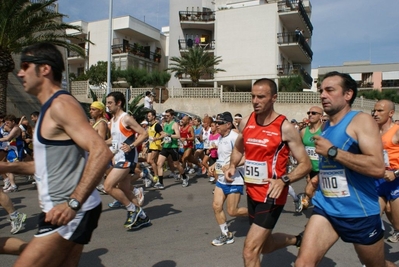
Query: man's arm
[237,154]
[14,133]
[294,142]
[24,167]
[177,131]
[86,137]
[102,129]
[365,130]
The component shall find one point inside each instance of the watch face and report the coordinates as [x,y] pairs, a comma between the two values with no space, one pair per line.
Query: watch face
[74,204]
[332,152]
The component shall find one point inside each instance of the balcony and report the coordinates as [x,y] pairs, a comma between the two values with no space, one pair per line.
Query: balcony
[136,51]
[295,47]
[293,14]
[75,58]
[295,69]
[390,84]
[189,43]
[197,19]
[207,78]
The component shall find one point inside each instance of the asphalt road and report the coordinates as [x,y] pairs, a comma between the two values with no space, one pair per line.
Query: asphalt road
[183,226]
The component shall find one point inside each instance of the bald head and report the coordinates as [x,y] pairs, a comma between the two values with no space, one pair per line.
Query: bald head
[316,108]
[388,104]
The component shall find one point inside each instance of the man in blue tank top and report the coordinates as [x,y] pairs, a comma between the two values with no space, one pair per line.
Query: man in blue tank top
[350,160]
[66,178]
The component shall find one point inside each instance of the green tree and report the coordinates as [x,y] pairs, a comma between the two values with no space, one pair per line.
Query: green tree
[23,23]
[291,84]
[196,63]
[377,95]
[97,74]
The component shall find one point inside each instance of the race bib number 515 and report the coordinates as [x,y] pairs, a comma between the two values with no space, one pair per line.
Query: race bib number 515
[255,172]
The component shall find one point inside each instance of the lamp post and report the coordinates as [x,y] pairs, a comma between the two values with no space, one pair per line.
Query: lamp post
[109,48]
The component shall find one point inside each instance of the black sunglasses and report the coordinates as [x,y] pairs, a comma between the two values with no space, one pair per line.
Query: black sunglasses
[312,112]
[221,122]
[25,65]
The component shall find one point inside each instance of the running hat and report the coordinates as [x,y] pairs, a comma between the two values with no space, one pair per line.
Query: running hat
[144,122]
[225,116]
[98,105]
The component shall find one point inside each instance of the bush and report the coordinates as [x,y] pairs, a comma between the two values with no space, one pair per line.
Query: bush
[377,95]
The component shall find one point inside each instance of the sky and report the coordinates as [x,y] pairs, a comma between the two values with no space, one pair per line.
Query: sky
[344,30]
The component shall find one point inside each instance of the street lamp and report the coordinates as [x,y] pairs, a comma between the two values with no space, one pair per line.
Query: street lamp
[109,48]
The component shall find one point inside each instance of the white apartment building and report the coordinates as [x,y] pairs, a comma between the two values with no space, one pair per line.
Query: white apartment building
[254,38]
[135,44]
[368,76]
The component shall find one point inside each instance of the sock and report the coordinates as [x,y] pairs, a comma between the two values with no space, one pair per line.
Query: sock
[13,215]
[223,228]
[142,214]
[184,176]
[160,179]
[291,192]
[131,207]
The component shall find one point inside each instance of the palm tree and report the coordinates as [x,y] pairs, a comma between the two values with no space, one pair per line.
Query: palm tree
[195,63]
[23,23]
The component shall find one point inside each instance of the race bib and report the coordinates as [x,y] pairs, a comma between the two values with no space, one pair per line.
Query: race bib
[167,139]
[255,172]
[386,159]
[333,183]
[218,167]
[312,153]
[114,146]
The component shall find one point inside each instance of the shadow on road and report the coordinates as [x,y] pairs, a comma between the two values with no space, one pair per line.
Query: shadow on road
[92,258]
[165,263]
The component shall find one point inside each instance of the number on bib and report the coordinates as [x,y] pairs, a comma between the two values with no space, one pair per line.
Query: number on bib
[255,172]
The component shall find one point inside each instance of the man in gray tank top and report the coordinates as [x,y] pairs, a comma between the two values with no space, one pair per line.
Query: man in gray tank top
[66,178]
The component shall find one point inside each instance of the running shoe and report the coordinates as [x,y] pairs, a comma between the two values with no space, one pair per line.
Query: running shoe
[177,177]
[100,188]
[141,223]
[155,179]
[185,182]
[298,203]
[11,189]
[191,171]
[139,194]
[115,204]
[159,186]
[132,217]
[7,184]
[299,240]
[17,222]
[223,239]
[305,202]
[147,182]
[211,179]
[394,237]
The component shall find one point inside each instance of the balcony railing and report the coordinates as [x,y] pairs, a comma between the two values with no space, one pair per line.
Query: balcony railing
[136,50]
[75,54]
[190,43]
[293,37]
[197,16]
[206,76]
[292,5]
[295,69]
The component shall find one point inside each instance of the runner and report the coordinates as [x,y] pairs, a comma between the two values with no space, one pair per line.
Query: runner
[266,139]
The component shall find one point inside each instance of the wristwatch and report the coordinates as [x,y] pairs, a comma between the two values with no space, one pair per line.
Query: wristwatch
[286,180]
[332,152]
[396,173]
[132,146]
[74,204]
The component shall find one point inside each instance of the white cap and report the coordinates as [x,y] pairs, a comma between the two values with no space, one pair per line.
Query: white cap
[144,122]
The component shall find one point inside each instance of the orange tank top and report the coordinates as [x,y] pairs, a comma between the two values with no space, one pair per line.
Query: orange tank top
[391,148]
[266,156]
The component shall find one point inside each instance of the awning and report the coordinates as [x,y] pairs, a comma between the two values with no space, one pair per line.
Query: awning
[356,76]
[390,75]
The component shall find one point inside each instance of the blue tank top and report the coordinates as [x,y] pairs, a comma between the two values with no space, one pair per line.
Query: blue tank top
[343,192]
[198,132]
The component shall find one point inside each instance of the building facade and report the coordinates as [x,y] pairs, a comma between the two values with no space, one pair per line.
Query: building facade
[254,38]
[134,44]
[368,76]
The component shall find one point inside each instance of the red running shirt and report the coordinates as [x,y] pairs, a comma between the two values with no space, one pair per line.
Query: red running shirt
[185,133]
[266,156]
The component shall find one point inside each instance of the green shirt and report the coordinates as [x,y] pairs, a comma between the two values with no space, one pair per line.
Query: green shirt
[168,128]
[310,148]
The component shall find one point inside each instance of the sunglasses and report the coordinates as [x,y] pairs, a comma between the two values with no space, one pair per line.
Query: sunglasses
[312,112]
[221,122]
[25,65]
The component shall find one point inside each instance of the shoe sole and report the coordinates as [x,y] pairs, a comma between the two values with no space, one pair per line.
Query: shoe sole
[227,243]
[146,224]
